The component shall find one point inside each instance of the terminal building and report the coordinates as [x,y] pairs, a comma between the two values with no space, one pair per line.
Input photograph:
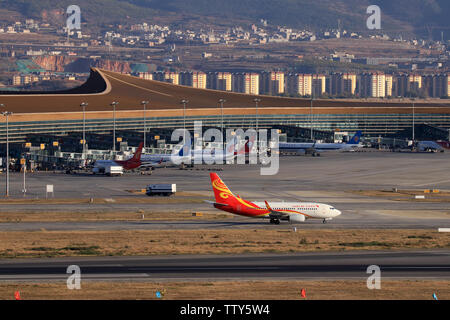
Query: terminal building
[58,113]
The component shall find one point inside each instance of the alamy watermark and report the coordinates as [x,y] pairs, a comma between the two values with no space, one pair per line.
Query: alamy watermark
[237,147]
[74,280]
[374,281]
[374,20]
[74,19]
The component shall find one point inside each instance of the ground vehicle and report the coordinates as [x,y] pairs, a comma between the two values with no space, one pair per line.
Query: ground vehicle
[114,170]
[161,189]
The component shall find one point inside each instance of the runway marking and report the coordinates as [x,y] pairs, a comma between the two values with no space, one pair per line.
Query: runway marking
[431,183]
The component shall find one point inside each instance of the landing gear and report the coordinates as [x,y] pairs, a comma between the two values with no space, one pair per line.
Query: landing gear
[274,221]
[324,221]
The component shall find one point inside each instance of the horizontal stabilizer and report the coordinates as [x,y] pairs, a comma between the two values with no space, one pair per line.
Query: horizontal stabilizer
[215,203]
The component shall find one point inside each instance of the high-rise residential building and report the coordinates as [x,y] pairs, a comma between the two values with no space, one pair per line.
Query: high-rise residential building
[219,81]
[304,84]
[251,83]
[436,85]
[400,85]
[272,83]
[318,84]
[334,84]
[224,81]
[238,83]
[159,76]
[265,83]
[448,86]
[277,79]
[349,83]
[211,80]
[199,80]
[339,84]
[378,85]
[146,75]
[415,82]
[172,77]
[185,78]
[364,85]
[389,85]
[291,84]
[17,80]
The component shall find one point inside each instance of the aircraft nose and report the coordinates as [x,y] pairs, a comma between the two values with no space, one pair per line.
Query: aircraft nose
[338,213]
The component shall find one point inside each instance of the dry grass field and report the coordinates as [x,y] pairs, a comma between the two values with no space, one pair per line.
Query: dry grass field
[231,290]
[44,243]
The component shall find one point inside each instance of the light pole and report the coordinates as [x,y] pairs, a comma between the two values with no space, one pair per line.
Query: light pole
[256,100]
[413,121]
[24,166]
[311,111]
[311,118]
[7,114]
[144,103]
[221,101]
[114,104]
[184,102]
[84,105]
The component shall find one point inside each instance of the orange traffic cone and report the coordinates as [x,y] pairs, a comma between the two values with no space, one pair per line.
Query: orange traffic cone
[17,295]
[303,293]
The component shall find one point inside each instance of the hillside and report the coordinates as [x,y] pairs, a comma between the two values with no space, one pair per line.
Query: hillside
[419,16]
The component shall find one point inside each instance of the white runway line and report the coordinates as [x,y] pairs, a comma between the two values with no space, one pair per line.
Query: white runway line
[444,230]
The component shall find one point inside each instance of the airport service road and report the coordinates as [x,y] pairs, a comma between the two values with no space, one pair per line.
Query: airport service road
[349,265]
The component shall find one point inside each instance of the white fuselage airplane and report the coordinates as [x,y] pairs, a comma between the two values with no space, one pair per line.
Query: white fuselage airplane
[314,147]
[294,212]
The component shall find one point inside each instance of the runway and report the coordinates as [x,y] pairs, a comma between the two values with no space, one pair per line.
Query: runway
[233,223]
[433,264]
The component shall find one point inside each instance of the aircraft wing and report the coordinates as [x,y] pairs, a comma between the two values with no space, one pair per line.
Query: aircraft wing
[274,213]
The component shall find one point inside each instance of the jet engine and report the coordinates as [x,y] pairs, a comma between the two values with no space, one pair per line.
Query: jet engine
[296,218]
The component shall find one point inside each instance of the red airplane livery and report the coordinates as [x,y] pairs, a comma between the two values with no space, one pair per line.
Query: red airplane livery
[294,212]
[130,164]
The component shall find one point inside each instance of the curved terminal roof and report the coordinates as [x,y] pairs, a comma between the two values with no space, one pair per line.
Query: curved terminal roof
[104,87]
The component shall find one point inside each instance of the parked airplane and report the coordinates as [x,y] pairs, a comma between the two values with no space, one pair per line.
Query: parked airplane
[429,146]
[162,159]
[444,144]
[186,155]
[315,148]
[294,212]
[132,163]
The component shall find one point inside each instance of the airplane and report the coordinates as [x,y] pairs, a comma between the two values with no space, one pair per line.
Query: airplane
[429,146]
[315,148]
[203,155]
[159,160]
[444,144]
[129,164]
[294,212]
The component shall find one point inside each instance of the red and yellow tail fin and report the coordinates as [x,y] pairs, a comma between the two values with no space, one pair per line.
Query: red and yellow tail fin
[221,191]
[138,153]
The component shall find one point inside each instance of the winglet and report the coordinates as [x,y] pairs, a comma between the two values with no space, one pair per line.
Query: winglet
[267,206]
